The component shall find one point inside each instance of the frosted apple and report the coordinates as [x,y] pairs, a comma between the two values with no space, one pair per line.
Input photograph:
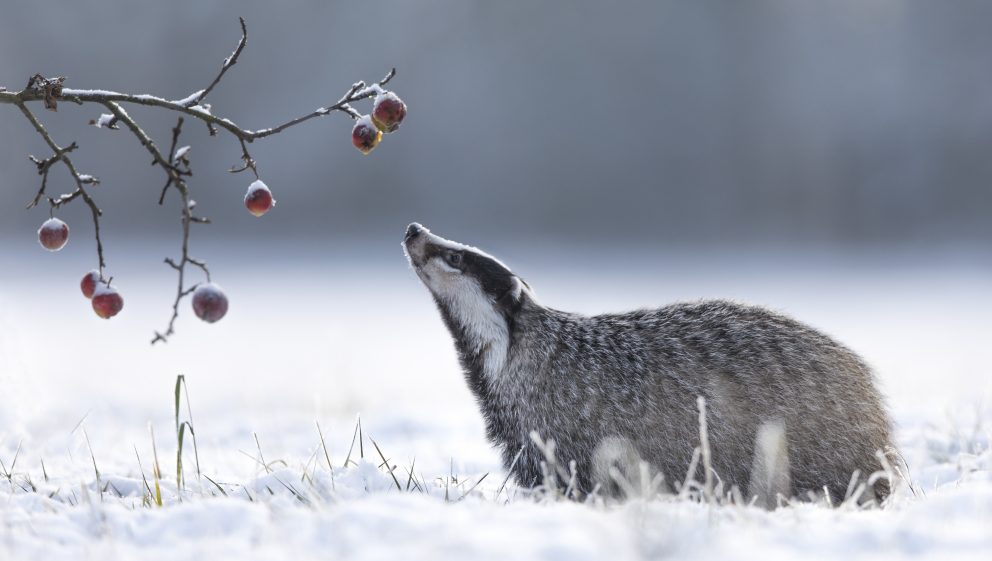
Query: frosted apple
[53,234]
[388,111]
[209,302]
[107,302]
[89,282]
[365,135]
[258,199]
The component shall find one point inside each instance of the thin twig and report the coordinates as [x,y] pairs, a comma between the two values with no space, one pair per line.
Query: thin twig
[81,180]
[143,138]
[228,63]
[175,177]
[357,92]
[248,161]
[172,154]
[43,168]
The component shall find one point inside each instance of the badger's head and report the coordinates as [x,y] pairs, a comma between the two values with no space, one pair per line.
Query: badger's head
[478,295]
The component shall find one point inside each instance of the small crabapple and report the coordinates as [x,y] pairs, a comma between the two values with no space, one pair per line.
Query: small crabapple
[365,136]
[107,302]
[53,234]
[388,111]
[89,282]
[259,199]
[209,302]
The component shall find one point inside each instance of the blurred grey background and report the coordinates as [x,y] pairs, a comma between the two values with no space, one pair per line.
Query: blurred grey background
[671,124]
[831,160]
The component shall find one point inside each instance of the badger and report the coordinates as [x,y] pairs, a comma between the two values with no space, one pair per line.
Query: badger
[788,410]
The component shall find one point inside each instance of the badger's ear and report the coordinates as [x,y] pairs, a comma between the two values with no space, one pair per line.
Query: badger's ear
[510,301]
[523,282]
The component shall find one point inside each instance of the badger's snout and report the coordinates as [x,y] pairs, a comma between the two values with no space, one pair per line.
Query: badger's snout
[412,231]
[415,243]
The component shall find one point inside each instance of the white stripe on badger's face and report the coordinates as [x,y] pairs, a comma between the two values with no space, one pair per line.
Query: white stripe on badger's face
[485,328]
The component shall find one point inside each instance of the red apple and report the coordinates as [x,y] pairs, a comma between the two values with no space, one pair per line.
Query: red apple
[107,302]
[365,136]
[388,111]
[259,199]
[53,234]
[209,302]
[89,282]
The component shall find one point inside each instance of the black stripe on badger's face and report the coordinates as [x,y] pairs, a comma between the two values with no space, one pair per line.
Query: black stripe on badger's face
[460,276]
[493,277]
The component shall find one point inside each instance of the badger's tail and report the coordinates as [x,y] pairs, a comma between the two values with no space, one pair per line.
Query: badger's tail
[770,472]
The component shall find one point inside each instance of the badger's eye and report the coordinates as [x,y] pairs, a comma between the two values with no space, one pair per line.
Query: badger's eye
[454,258]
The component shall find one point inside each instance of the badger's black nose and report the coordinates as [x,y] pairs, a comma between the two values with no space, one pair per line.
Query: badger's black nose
[412,231]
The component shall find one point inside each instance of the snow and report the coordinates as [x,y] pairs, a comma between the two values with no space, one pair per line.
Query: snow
[69,92]
[374,89]
[323,335]
[140,98]
[382,96]
[103,288]
[150,98]
[204,109]
[209,288]
[180,152]
[365,121]
[257,185]
[53,224]
[104,121]
[276,516]
[188,100]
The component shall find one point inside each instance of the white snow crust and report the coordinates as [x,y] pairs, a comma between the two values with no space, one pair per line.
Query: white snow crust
[299,509]
[257,185]
[104,121]
[180,152]
[103,288]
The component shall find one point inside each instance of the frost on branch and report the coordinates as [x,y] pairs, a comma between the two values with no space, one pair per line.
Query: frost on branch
[209,302]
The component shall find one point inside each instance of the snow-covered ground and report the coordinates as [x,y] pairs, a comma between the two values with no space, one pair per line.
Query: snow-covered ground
[325,336]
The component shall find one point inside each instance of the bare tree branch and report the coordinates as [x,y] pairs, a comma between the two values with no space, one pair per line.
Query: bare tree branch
[187,218]
[357,92]
[175,163]
[173,156]
[61,154]
[143,138]
[175,177]
[43,168]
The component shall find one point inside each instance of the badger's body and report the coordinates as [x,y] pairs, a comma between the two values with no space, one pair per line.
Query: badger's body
[635,378]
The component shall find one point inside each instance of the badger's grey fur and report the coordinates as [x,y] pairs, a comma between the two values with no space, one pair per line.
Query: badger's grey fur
[627,384]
